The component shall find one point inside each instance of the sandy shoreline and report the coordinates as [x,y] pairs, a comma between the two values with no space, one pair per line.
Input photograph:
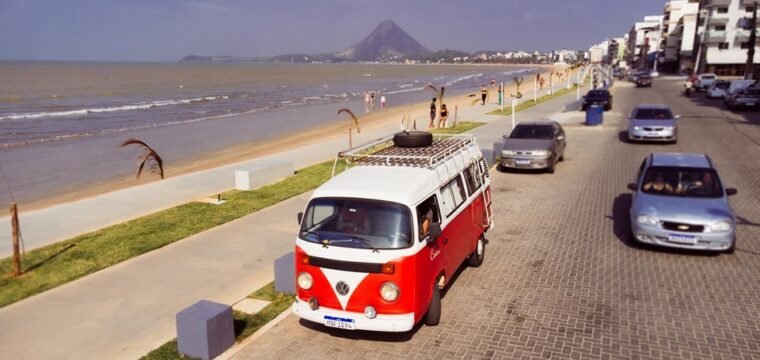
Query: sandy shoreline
[390,117]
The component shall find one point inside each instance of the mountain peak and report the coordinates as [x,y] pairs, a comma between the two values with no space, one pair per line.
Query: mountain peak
[388,40]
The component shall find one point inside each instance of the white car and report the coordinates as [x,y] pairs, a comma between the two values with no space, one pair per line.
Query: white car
[718,89]
[737,85]
[704,81]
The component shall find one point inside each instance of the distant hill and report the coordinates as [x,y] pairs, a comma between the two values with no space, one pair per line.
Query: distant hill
[387,41]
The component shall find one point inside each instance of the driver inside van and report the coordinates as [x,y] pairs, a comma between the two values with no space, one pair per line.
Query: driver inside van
[352,220]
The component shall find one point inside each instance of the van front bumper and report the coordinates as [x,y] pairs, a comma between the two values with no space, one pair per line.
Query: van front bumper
[387,323]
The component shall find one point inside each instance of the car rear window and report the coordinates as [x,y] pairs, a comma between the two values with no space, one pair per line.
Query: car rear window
[682,181]
[708,77]
[653,114]
[542,132]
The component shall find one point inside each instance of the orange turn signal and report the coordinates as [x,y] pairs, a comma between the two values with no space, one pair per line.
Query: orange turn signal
[388,268]
[303,259]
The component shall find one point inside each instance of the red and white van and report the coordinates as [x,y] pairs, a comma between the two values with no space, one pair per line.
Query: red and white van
[378,242]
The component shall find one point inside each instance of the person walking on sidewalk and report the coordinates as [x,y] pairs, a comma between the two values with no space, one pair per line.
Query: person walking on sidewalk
[433,109]
[483,94]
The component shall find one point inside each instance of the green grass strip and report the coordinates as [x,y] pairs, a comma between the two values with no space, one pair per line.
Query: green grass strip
[57,264]
[245,324]
[530,103]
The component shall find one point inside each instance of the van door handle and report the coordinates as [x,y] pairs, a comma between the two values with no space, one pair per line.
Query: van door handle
[445,241]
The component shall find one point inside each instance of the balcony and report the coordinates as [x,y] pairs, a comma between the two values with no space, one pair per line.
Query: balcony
[715,37]
[718,21]
[716,3]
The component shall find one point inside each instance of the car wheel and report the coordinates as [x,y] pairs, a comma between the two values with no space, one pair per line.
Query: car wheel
[501,168]
[551,167]
[433,316]
[607,107]
[583,108]
[477,256]
[561,157]
[732,249]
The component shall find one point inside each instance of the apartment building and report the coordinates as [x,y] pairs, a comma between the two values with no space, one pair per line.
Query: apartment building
[679,31]
[724,36]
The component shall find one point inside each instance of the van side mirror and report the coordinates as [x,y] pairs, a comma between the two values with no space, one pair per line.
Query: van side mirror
[632,186]
[435,232]
[731,191]
[300,218]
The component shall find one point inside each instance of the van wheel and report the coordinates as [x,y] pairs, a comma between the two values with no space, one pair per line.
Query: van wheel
[412,139]
[476,258]
[433,316]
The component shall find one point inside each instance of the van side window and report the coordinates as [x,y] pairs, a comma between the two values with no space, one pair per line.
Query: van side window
[473,181]
[427,213]
[452,195]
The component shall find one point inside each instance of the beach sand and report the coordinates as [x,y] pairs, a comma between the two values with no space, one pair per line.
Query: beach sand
[392,116]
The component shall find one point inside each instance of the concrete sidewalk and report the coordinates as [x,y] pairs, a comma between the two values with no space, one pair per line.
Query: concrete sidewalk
[127,310]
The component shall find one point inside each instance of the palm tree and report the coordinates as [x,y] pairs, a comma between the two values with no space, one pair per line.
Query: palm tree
[350,113]
[149,156]
[518,81]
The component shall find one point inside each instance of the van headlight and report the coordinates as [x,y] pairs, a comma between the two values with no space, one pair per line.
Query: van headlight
[305,281]
[646,220]
[721,226]
[389,291]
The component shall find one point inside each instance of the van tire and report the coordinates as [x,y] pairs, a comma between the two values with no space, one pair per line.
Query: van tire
[433,316]
[413,139]
[477,259]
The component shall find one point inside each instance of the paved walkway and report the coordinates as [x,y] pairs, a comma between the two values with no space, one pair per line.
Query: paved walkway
[127,310]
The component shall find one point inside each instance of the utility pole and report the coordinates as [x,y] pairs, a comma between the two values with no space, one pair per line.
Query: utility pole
[749,66]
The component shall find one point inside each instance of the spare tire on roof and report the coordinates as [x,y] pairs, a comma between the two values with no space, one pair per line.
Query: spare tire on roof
[412,139]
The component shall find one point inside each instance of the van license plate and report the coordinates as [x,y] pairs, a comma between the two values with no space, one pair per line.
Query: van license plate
[682,239]
[340,323]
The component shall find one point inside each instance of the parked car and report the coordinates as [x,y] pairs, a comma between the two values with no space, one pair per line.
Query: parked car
[617,73]
[744,98]
[718,89]
[643,80]
[736,85]
[679,201]
[704,81]
[652,122]
[597,97]
[633,74]
[536,145]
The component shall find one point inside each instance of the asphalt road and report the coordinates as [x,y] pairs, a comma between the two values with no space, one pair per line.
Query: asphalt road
[561,278]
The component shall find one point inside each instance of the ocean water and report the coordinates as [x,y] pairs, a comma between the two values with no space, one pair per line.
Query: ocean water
[48,102]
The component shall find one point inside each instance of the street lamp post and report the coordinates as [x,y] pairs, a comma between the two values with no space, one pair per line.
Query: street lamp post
[749,66]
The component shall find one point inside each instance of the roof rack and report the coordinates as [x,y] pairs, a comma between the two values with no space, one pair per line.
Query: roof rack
[382,152]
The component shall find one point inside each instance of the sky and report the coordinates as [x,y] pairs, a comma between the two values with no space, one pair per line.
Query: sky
[167,30]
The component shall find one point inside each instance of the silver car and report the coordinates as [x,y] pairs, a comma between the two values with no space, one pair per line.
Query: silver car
[650,122]
[679,202]
[535,145]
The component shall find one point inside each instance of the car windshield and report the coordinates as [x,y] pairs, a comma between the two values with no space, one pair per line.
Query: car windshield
[722,85]
[750,91]
[357,223]
[653,114]
[541,132]
[708,77]
[682,181]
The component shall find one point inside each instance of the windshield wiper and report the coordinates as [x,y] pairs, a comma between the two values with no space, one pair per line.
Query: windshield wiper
[367,243]
[318,235]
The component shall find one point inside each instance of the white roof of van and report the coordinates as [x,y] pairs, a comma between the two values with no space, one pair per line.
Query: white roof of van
[403,185]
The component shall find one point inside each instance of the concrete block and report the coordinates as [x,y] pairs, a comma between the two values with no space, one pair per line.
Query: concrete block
[260,174]
[497,146]
[205,330]
[285,274]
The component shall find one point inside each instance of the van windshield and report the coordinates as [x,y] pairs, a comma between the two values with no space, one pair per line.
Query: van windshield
[357,223]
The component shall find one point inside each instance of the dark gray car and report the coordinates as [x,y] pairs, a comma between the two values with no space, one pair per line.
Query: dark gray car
[535,145]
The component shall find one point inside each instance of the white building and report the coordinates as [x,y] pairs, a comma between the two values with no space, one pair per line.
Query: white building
[679,30]
[724,42]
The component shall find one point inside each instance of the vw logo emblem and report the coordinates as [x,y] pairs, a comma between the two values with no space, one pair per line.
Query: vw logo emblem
[341,288]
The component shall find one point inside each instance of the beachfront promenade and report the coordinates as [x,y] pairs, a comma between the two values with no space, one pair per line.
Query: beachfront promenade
[128,309]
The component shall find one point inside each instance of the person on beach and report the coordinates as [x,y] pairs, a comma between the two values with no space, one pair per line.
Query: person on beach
[382,102]
[500,95]
[483,94]
[372,101]
[432,114]
[444,117]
